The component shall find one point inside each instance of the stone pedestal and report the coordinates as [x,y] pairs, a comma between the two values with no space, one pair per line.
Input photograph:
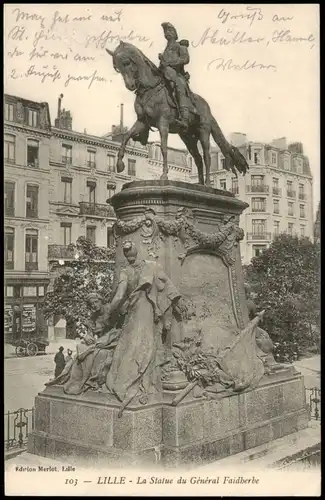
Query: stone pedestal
[87,429]
[193,232]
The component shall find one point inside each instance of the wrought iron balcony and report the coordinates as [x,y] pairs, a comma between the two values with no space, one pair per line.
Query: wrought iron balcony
[261,188]
[302,196]
[234,190]
[259,209]
[259,236]
[291,194]
[91,164]
[276,211]
[96,209]
[60,252]
[67,160]
[9,211]
[31,266]
[276,191]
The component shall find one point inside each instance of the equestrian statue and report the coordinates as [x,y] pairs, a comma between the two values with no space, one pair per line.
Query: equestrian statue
[164,100]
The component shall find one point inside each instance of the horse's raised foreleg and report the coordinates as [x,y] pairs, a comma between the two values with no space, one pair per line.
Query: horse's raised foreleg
[136,129]
[205,142]
[163,131]
[191,145]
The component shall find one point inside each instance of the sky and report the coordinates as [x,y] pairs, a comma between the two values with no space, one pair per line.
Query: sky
[256,65]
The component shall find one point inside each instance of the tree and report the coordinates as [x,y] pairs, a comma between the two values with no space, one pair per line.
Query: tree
[285,279]
[92,270]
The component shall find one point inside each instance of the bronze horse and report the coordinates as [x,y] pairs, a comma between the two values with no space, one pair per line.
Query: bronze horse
[155,107]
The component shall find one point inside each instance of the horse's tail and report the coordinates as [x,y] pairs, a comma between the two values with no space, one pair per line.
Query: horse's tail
[233,157]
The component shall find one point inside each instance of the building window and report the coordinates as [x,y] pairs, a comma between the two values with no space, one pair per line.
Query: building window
[257,183]
[91,233]
[31,250]
[10,148]
[65,230]
[297,165]
[66,184]
[32,202]
[302,211]
[32,153]
[111,163]
[259,226]
[9,199]
[275,189]
[290,208]
[223,164]
[110,238]
[276,207]
[41,291]
[32,118]
[257,157]
[9,112]
[9,291]
[276,226]
[302,231]
[301,192]
[29,291]
[223,184]
[131,168]
[290,192]
[273,158]
[91,186]
[91,158]
[9,247]
[66,154]
[258,250]
[234,186]
[290,228]
[258,205]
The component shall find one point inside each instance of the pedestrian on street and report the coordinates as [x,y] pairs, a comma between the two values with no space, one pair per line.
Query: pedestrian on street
[59,362]
[68,357]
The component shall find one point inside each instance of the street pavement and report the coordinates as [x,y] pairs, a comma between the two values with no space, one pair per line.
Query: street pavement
[25,377]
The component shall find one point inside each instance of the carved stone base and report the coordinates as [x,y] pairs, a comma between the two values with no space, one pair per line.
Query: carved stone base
[86,428]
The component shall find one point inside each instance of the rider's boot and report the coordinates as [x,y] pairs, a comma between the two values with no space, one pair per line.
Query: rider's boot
[184,117]
[184,111]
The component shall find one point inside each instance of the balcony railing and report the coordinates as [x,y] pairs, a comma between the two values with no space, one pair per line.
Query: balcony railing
[302,196]
[67,160]
[96,209]
[31,214]
[291,194]
[91,164]
[9,264]
[33,163]
[60,252]
[31,266]
[9,211]
[276,211]
[259,236]
[276,191]
[234,190]
[259,209]
[261,188]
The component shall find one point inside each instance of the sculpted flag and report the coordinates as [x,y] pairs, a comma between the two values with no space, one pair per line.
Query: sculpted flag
[240,361]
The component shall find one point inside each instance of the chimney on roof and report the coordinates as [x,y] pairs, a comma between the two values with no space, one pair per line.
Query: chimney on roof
[58,118]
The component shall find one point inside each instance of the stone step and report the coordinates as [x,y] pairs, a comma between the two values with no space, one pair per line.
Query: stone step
[267,455]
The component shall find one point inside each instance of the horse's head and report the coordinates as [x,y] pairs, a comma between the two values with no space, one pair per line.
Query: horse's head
[137,70]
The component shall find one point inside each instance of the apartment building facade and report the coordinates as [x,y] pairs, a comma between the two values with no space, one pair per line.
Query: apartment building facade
[278,189]
[57,182]
[27,175]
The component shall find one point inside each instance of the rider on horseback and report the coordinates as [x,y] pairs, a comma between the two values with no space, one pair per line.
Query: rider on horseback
[172,62]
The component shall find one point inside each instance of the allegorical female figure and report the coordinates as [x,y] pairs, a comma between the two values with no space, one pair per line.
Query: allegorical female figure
[125,361]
